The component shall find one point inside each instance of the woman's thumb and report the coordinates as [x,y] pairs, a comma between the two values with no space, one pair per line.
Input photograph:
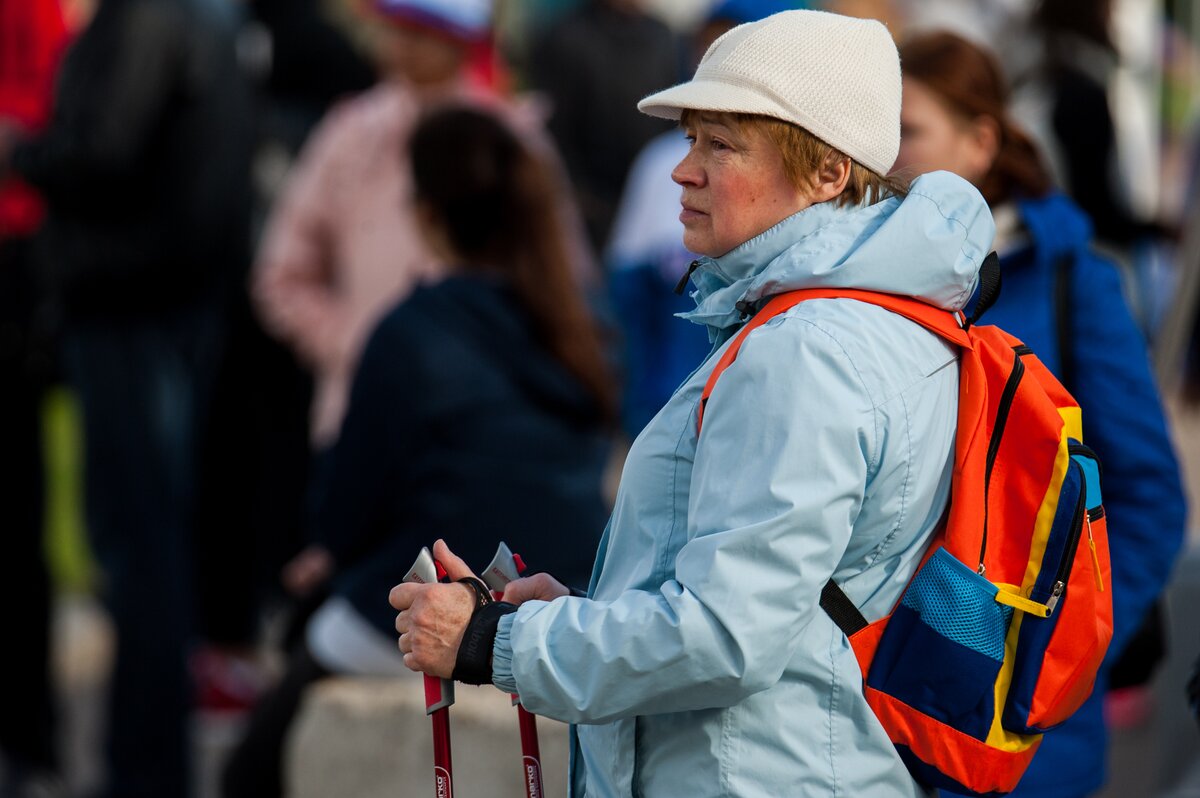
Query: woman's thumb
[455,567]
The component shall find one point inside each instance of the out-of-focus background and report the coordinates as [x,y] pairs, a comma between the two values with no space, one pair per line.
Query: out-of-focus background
[200,226]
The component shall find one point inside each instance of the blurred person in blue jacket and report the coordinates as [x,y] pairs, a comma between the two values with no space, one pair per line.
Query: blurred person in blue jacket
[145,169]
[646,257]
[1065,302]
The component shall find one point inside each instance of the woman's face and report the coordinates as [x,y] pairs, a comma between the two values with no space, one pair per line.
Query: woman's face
[932,137]
[734,185]
[417,55]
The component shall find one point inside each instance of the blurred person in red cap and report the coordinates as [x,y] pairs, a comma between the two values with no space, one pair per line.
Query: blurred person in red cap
[144,167]
[33,35]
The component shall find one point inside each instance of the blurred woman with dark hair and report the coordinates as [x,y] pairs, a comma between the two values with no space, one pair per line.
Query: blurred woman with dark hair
[479,412]
[1067,304]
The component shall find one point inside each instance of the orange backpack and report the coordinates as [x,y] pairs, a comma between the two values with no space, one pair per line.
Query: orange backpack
[999,634]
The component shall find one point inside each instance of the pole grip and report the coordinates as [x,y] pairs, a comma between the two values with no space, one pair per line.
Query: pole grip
[439,693]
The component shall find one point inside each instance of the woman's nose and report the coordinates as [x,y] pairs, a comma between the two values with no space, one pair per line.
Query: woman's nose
[687,172]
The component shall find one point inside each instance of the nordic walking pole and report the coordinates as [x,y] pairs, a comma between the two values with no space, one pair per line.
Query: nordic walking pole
[439,693]
[504,568]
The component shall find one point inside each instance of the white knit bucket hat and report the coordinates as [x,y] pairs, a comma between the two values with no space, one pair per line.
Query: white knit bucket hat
[837,77]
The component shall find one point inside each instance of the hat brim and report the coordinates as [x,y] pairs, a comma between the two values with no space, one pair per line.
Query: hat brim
[710,95]
[722,96]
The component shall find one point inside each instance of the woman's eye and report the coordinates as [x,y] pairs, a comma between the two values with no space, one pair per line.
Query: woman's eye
[717,144]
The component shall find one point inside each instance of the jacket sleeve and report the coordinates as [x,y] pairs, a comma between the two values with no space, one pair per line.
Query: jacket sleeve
[768,520]
[1123,423]
[103,136]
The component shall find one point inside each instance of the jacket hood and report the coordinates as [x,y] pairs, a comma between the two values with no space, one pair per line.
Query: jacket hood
[928,245]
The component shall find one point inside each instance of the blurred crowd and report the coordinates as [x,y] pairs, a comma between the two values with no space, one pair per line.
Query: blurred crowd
[332,278]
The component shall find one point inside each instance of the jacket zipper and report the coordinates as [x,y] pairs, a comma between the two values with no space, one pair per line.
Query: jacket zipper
[1006,401]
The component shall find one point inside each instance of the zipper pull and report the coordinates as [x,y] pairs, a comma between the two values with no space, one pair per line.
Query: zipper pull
[1095,556]
[683,281]
[1055,593]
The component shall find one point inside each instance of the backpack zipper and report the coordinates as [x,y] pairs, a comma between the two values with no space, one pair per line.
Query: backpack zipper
[1093,514]
[1077,527]
[1002,411]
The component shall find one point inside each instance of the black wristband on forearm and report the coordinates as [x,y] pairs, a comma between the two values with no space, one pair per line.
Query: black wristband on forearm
[474,662]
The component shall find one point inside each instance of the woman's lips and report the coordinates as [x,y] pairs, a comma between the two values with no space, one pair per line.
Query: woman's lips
[689,214]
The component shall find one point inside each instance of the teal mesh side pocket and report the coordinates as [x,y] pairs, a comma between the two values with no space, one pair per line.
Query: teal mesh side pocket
[943,647]
[946,595]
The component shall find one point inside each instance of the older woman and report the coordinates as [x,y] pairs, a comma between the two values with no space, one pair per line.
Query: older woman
[700,663]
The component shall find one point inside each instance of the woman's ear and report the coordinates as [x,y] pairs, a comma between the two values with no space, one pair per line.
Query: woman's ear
[831,178]
[433,232]
[983,147]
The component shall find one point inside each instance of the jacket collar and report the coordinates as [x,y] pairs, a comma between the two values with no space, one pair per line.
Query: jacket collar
[927,245]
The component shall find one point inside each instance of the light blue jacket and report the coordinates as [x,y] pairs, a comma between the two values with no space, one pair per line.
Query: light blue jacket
[701,664]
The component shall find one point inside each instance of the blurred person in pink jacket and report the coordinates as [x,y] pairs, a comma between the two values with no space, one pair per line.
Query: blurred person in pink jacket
[342,245]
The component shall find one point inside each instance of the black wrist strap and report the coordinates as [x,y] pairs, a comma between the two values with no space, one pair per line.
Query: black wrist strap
[483,596]
[474,662]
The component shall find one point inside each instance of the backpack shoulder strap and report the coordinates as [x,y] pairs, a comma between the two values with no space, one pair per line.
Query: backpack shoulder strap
[1064,328]
[841,609]
[949,326]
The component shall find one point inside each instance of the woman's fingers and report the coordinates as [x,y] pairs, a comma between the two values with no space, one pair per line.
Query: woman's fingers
[431,623]
[307,570]
[539,587]
[403,595]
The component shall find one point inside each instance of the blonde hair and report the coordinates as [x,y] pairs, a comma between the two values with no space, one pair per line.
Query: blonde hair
[804,155]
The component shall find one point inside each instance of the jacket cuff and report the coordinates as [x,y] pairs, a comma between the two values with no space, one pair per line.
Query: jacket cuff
[502,655]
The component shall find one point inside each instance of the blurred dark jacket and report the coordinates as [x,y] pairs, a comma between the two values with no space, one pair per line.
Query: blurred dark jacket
[461,426]
[145,165]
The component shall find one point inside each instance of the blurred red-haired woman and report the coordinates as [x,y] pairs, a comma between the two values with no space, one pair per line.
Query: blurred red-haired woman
[1066,303]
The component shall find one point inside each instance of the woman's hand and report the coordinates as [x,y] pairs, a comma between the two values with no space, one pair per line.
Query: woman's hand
[433,618]
[308,570]
[539,587]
